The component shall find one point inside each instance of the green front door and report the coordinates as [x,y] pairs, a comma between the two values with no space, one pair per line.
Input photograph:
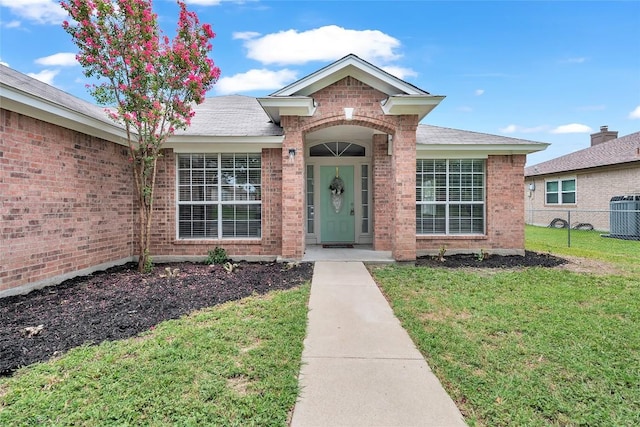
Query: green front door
[338,219]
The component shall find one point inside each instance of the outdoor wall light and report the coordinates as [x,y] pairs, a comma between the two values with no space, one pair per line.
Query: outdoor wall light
[348,113]
[292,154]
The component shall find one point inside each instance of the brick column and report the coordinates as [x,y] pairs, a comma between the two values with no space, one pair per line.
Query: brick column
[382,196]
[505,204]
[292,190]
[403,168]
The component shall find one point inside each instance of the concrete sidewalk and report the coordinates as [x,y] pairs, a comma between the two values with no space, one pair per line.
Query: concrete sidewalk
[360,368]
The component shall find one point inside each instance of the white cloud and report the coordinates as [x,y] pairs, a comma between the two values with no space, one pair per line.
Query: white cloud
[204,2]
[62,59]
[512,128]
[400,72]
[572,128]
[45,76]
[6,64]
[321,44]
[245,35]
[39,11]
[10,24]
[465,109]
[255,80]
[635,114]
[478,92]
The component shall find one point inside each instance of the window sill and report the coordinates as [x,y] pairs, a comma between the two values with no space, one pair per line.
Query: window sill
[451,237]
[236,241]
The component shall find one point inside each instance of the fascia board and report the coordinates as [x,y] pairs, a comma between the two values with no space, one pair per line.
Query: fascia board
[38,108]
[349,66]
[448,150]
[411,104]
[275,107]
[214,144]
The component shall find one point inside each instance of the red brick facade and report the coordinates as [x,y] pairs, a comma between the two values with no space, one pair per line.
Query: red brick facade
[505,230]
[164,243]
[67,201]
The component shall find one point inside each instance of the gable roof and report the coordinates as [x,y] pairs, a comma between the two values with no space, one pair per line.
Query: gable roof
[354,66]
[402,97]
[232,119]
[614,152]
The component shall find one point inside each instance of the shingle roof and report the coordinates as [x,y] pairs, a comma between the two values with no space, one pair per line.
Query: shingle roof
[428,134]
[233,115]
[616,151]
[12,78]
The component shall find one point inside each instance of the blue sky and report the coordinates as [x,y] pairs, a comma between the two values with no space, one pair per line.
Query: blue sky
[546,71]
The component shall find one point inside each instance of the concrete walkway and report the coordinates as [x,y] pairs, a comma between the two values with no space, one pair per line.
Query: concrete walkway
[360,368]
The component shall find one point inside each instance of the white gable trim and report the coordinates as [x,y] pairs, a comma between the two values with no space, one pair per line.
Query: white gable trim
[353,66]
[289,106]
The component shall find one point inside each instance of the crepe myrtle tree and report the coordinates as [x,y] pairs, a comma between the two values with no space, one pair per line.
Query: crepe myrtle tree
[148,82]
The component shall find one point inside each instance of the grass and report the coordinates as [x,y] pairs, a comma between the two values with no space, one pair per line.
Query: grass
[535,347]
[230,365]
[587,244]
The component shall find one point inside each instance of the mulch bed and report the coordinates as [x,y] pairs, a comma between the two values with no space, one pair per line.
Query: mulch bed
[120,303]
[530,259]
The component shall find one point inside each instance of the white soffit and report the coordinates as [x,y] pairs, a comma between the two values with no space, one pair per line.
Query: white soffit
[287,106]
[411,104]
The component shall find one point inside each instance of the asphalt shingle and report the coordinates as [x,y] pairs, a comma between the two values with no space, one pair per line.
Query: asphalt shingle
[233,115]
[621,150]
[428,134]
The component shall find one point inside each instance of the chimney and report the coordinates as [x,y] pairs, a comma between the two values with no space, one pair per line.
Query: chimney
[603,136]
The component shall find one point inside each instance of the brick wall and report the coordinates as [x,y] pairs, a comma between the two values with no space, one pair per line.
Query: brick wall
[365,100]
[504,213]
[163,239]
[67,201]
[594,189]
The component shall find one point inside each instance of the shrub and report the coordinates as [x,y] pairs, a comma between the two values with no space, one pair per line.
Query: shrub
[216,256]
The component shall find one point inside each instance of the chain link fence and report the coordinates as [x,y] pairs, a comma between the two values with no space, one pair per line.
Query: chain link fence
[618,222]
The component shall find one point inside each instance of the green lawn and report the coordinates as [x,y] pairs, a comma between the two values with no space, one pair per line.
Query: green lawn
[535,347]
[234,364]
[587,244]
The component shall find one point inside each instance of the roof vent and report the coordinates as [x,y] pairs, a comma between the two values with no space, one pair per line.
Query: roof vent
[603,136]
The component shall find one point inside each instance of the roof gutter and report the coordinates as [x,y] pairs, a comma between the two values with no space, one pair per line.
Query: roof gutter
[21,102]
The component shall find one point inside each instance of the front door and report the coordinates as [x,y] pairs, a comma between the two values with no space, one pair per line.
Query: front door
[337,204]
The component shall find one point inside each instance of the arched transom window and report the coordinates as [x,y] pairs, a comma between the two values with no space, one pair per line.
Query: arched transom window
[337,149]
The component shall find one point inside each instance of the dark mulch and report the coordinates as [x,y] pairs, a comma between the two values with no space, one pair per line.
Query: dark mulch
[120,303]
[530,259]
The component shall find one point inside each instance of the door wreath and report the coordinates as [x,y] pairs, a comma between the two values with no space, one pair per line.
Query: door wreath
[337,191]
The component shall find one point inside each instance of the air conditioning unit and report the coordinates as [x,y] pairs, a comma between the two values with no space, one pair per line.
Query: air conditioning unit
[624,217]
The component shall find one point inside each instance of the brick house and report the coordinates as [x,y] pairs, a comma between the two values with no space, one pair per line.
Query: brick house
[584,181]
[253,175]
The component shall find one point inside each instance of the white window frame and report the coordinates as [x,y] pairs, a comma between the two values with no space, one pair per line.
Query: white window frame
[560,192]
[428,198]
[218,201]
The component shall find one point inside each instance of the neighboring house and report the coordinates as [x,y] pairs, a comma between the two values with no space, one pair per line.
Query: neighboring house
[584,181]
[336,157]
